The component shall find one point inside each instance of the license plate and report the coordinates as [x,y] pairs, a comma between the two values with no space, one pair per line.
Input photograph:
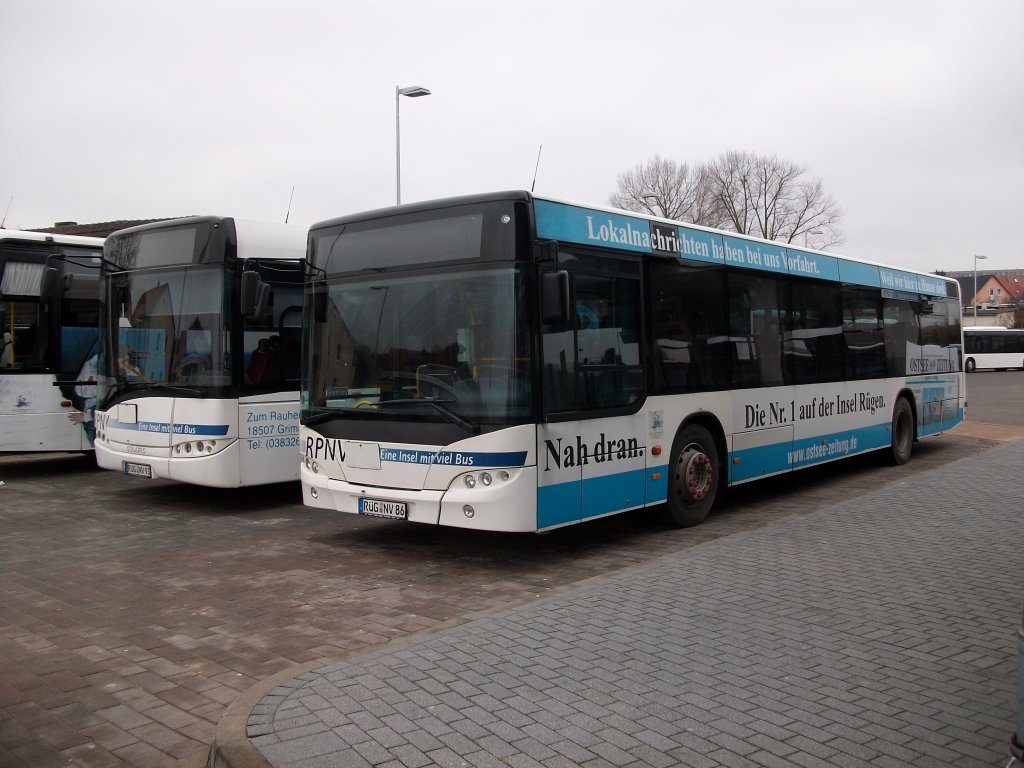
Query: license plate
[380,508]
[138,470]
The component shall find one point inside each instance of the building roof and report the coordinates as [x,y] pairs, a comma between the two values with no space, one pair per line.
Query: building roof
[100,229]
[1013,284]
[1011,281]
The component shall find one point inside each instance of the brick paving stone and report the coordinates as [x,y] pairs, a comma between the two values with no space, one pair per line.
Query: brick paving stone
[179,599]
[837,638]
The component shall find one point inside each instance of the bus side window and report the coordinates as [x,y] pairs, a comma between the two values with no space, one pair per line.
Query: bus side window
[902,337]
[757,317]
[595,364]
[600,344]
[815,347]
[954,335]
[862,329]
[689,326]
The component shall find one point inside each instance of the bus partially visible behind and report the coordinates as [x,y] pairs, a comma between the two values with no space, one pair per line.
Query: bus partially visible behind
[200,373]
[993,347]
[49,308]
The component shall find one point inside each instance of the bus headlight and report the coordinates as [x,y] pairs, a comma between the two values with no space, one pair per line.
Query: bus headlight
[199,447]
[486,478]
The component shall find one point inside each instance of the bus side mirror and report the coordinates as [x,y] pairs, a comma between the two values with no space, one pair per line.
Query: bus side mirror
[319,304]
[547,252]
[254,295]
[48,282]
[554,298]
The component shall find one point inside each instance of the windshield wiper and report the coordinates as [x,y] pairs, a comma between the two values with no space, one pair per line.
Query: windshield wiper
[129,386]
[318,418]
[448,413]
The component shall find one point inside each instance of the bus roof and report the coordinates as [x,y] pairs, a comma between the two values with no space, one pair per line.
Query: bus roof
[558,227]
[256,239]
[48,237]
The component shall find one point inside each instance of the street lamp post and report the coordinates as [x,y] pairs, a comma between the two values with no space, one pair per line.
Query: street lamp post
[974,298]
[412,92]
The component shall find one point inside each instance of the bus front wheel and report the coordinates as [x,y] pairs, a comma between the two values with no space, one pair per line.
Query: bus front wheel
[693,476]
[969,365]
[902,432]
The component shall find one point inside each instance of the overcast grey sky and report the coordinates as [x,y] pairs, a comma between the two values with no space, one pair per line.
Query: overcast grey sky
[910,112]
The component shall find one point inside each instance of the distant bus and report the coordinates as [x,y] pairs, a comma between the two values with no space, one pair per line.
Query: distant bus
[511,362]
[49,310]
[200,366]
[993,347]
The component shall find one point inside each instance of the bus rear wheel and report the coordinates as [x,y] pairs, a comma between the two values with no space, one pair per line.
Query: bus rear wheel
[902,432]
[969,365]
[693,476]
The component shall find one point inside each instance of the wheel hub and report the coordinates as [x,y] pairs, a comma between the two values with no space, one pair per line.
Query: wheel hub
[697,473]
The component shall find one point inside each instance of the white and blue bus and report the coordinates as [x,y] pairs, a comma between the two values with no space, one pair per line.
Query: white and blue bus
[49,310]
[199,376]
[993,347]
[508,362]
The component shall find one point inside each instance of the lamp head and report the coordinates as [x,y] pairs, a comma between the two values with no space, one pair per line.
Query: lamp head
[413,91]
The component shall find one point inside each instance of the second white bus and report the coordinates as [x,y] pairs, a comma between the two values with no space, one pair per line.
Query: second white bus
[993,347]
[200,366]
[49,305]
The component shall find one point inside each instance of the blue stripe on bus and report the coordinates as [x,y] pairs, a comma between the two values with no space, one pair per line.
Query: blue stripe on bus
[657,484]
[162,427]
[898,280]
[559,504]
[454,458]
[751,463]
[939,426]
[574,224]
[581,225]
[610,493]
[859,274]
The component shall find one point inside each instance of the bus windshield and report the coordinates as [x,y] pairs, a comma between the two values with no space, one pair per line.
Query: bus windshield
[170,327]
[447,345]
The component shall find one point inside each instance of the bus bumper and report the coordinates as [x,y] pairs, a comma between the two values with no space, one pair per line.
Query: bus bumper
[507,504]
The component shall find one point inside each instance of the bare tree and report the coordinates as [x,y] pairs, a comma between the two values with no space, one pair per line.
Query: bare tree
[740,191]
[668,189]
[1018,313]
[772,198]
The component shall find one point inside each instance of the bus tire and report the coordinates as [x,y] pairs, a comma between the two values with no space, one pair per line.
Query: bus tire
[902,433]
[969,365]
[692,476]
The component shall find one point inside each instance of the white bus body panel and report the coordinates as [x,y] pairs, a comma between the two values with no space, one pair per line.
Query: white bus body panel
[591,468]
[582,470]
[428,479]
[221,443]
[34,418]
